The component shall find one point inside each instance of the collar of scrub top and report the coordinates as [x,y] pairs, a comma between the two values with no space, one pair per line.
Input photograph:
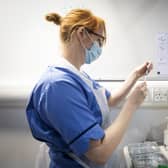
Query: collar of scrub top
[62,62]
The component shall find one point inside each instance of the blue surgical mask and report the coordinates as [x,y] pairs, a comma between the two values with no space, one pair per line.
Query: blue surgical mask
[93,53]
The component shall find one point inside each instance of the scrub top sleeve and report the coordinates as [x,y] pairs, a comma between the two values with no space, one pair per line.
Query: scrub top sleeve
[67,110]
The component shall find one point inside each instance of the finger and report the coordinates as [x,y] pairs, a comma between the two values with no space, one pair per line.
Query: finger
[144,89]
[140,86]
[149,66]
[143,84]
[145,94]
[143,66]
[149,63]
[146,66]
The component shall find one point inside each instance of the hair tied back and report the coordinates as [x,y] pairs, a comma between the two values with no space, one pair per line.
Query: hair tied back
[53,17]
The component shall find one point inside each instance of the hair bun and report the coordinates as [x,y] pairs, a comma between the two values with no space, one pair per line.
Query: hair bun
[53,17]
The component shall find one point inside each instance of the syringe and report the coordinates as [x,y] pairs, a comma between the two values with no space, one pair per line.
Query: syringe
[146,73]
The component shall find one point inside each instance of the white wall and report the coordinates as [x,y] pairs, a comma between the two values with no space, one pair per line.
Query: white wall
[29,43]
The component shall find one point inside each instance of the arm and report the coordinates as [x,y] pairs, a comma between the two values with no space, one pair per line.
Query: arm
[120,93]
[124,89]
[100,151]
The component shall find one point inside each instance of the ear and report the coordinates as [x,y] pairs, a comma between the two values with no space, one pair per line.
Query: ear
[80,32]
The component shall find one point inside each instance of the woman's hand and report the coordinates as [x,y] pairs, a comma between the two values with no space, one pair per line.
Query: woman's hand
[142,69]
[137,95]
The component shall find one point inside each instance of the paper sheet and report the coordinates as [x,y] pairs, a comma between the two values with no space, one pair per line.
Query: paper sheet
[162,54]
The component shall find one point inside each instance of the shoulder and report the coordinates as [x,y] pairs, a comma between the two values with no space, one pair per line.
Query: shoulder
[56,78]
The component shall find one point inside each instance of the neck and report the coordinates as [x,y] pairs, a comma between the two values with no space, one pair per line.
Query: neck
[73,54]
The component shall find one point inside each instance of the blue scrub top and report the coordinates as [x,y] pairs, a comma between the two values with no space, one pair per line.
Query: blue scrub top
[63,112]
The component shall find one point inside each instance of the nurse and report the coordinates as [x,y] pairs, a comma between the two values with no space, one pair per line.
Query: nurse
[68,110]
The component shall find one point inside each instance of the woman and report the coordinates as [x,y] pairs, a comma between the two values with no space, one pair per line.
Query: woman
[68,110]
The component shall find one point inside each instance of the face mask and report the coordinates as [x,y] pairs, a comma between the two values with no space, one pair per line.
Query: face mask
[93,53]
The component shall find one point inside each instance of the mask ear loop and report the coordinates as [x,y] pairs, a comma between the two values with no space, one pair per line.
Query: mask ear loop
[89,35]
[81,42]
[89,38]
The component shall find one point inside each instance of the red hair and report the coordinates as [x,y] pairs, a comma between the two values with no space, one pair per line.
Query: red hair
[74,19]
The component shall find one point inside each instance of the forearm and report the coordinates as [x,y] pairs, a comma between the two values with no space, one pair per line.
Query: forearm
[113,135]
[123,90]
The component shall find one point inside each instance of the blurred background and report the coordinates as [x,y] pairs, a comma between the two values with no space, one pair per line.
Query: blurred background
[28,44]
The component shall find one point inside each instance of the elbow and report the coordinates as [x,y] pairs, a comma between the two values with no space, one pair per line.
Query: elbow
[98,159]
[98,153]
[101,161]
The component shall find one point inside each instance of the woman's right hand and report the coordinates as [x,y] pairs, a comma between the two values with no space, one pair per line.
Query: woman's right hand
[138,94]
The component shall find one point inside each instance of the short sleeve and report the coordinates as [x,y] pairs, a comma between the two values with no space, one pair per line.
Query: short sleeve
[67,111]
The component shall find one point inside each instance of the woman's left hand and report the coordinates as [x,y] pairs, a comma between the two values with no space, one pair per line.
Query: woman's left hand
[143,69]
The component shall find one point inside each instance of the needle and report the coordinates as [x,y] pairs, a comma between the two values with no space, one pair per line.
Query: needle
[146,73]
